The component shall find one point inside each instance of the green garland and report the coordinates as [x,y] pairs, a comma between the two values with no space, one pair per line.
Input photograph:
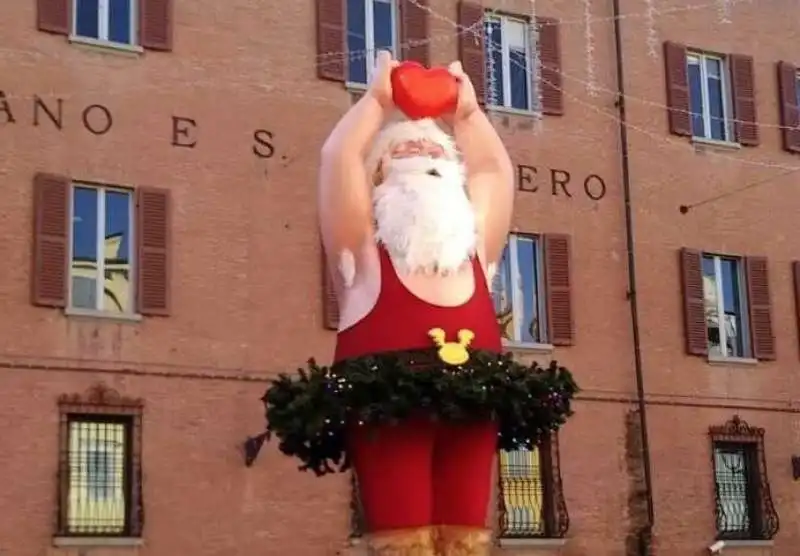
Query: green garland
[309,413]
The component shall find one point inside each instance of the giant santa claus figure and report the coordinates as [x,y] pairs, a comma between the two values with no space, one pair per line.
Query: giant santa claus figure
[414,221]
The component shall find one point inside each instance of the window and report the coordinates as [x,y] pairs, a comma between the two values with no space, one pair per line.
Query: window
[508,62]
[709,97]
[725,295]
[100,250]
[106,20]
[530,501]
[101,274]
[371,26]
[744,508]
[100,466]
[518,291]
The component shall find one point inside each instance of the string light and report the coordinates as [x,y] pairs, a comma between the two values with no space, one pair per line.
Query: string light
[591,86]
[652,34]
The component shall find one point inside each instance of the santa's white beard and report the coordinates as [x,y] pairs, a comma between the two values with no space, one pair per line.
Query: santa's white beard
[426,223]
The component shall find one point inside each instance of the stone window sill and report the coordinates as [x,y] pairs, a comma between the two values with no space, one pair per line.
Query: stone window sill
[747,544]
[505,110]
[532,543]
[94,314]
[107,46]
[701,142]
[521,347]
[97,541]
[720,361]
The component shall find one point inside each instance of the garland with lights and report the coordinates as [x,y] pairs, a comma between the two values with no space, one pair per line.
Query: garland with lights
[311,412]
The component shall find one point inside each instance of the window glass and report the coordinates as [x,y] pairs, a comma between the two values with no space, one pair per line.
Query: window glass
[87,20]
[716,104]
[356,41]
[117,268]
[731,477]
[494,61]
[119,21]
[732,307]
[84,270]
[696,97]
[502,296]
[383,25]
[528,283]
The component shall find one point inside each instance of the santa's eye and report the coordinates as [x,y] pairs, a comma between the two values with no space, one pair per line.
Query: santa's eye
[434,172]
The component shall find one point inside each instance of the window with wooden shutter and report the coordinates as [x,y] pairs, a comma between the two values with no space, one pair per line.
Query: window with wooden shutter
[552,97]
[50,240]
[153,245]
[53,16]
[414,31]
[677,83]
[471,46]
[330,304]
[744,99]
[558,289]
[790,112]
[760,305]
[331,40]
[694,308]
[155,24]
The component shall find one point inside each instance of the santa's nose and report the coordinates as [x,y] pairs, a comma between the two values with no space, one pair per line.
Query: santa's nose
[434,172]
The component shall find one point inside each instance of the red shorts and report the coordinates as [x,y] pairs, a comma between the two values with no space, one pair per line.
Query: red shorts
[420,473]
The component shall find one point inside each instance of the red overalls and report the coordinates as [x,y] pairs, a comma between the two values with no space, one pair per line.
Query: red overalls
[420,472]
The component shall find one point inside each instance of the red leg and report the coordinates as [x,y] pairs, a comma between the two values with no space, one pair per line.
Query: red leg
[462,474]
[393,467]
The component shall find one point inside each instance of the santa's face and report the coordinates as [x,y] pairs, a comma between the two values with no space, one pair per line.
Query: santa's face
[423,215]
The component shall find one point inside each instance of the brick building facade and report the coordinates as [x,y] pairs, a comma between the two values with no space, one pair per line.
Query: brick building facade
[180,139]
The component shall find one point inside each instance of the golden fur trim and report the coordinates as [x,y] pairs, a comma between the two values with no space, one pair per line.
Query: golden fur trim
[463,541]
[402,542]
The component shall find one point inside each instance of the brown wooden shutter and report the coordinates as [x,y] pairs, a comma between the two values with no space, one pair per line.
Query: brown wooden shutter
[414,31]
[550,61]
[760,308]
[694,303]
[790,112]
[796,277]
[50,240]
[153,244]
[330,304]
[155,24]
[471,46]
[53,16]
[558,292]
[331,43]
[677,80]
[744,99]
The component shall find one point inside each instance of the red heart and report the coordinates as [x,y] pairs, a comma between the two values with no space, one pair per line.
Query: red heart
[420,92]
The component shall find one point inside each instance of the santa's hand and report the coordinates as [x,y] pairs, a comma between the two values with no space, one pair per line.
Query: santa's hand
[381,85]
[467,100]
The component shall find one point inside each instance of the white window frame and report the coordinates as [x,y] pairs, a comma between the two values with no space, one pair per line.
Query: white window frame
[100,247]
[743,304]
[727,101]
[530,50]
[103,13]
[518,296]
[369,37]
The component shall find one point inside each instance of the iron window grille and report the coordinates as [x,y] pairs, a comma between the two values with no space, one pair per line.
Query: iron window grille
[99,469]
[743,501]
[530,496]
